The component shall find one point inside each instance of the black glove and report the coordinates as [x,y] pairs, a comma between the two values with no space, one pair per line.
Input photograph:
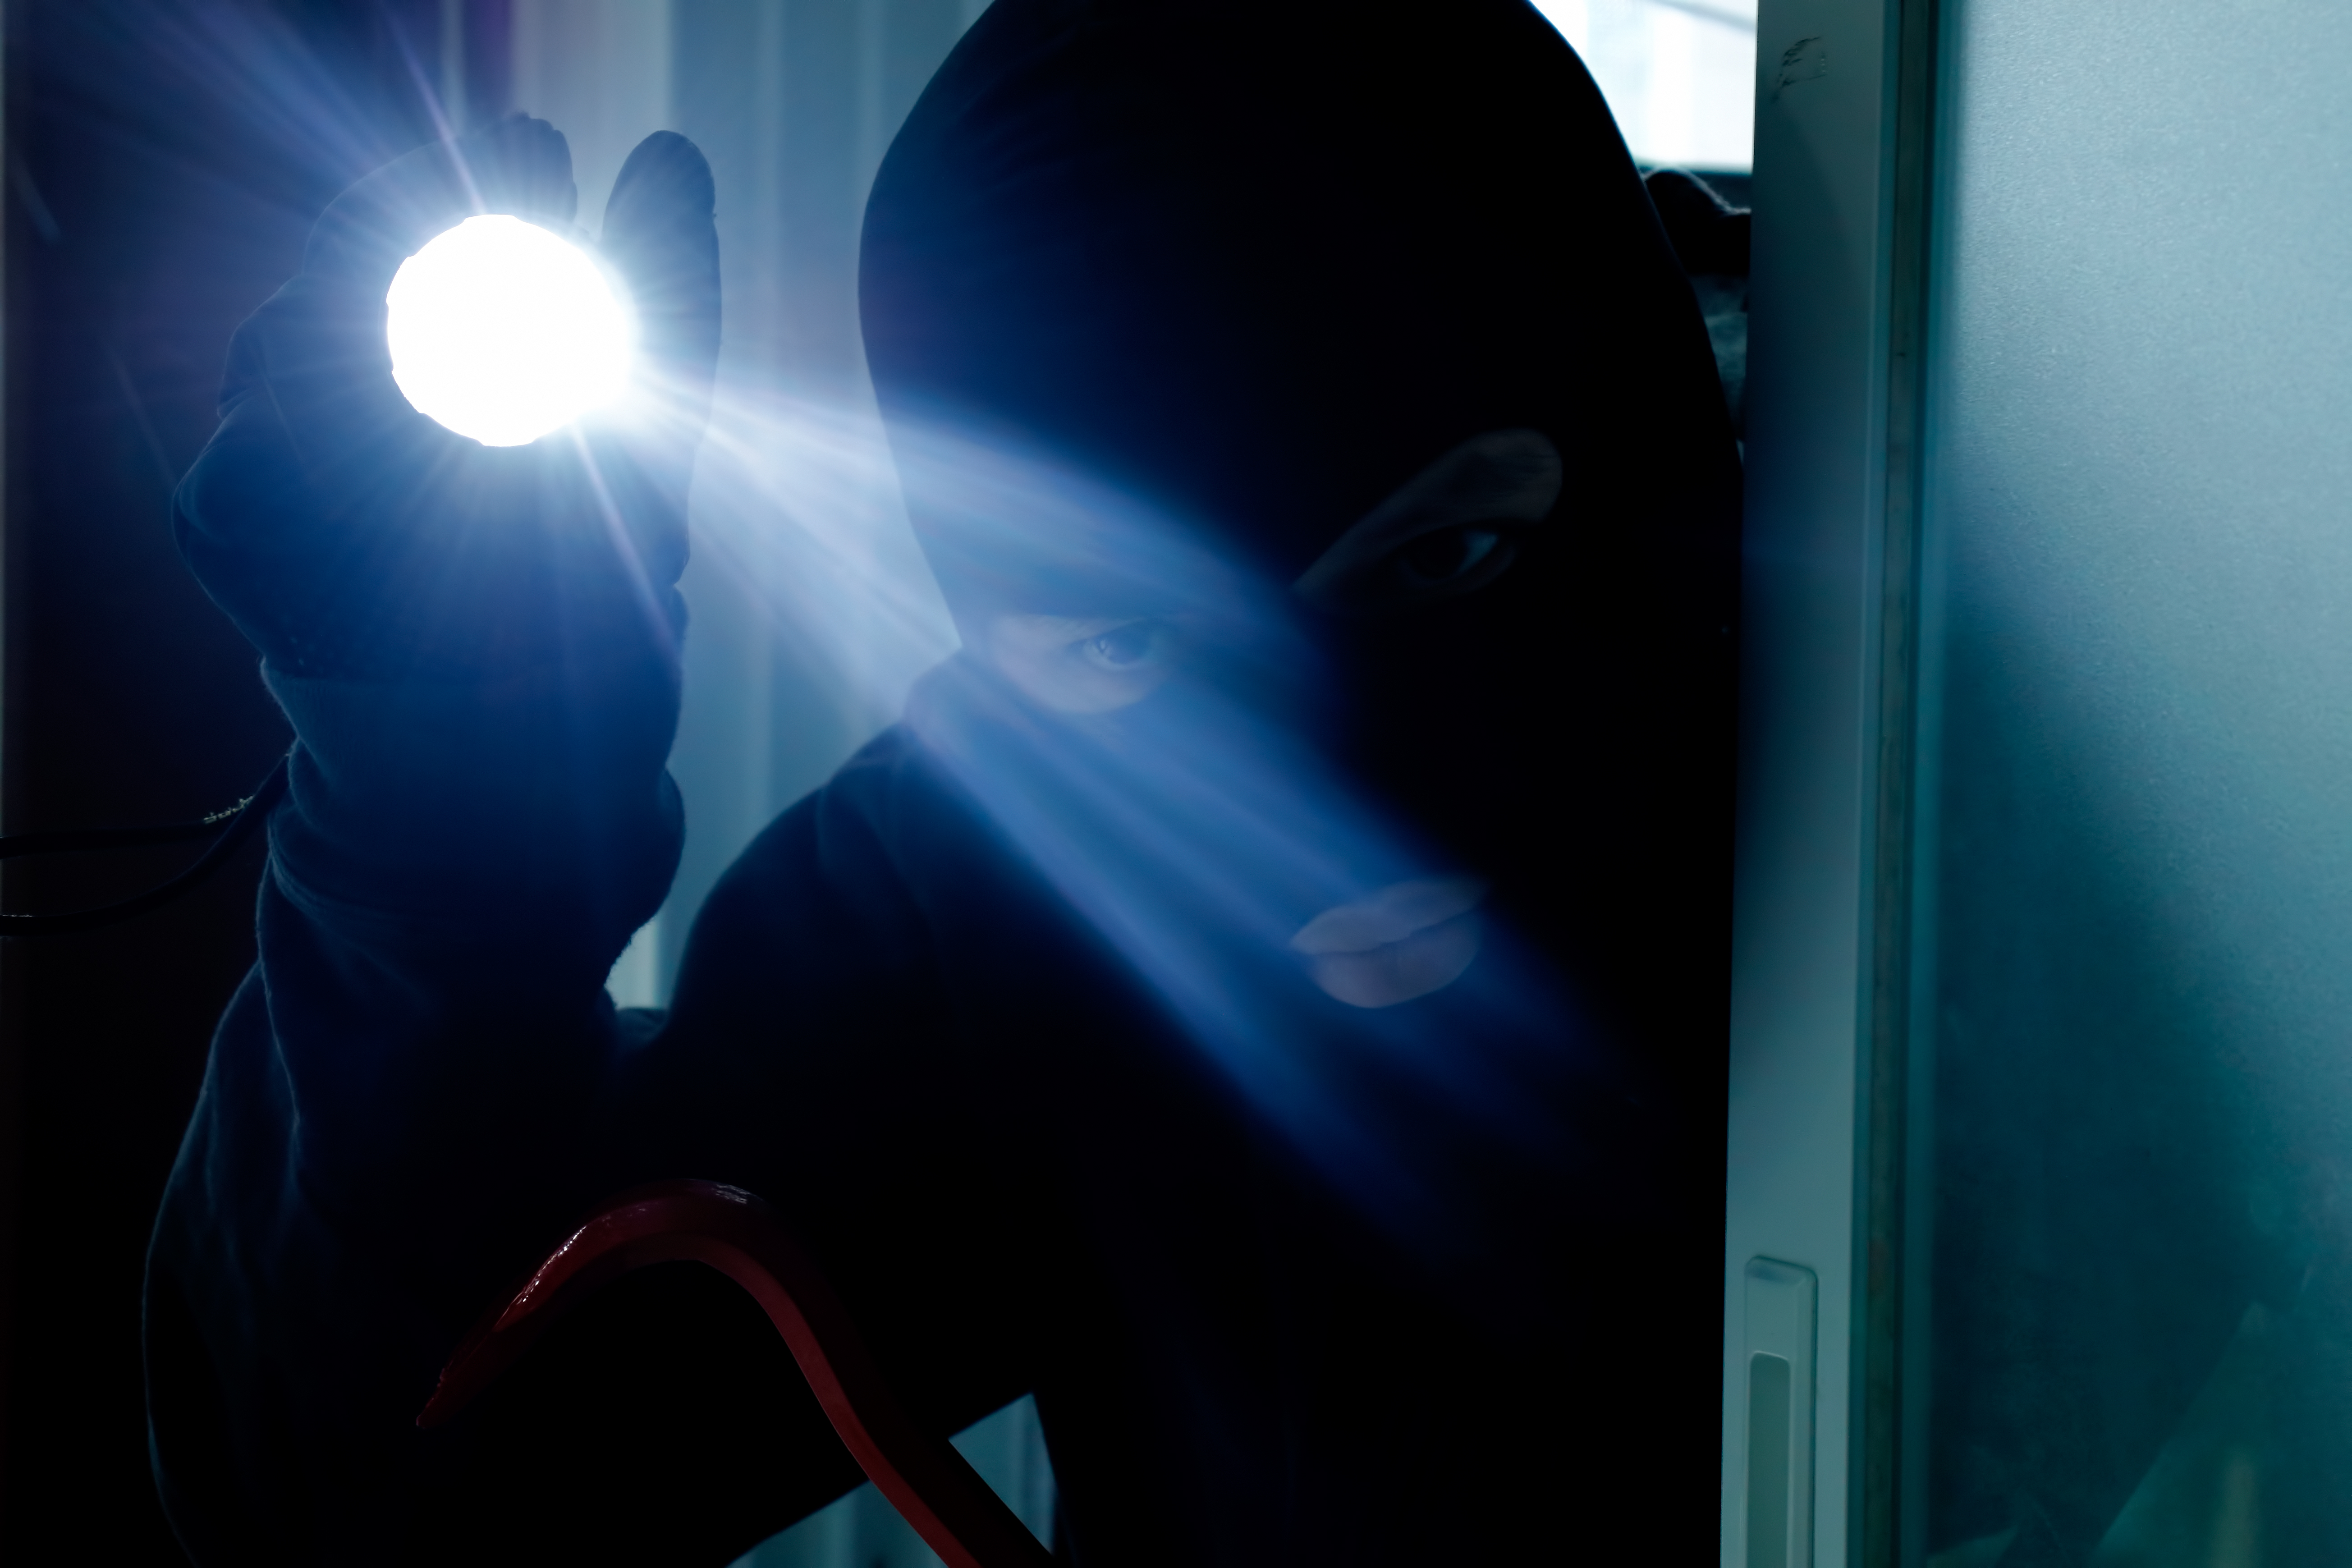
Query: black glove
[348,535]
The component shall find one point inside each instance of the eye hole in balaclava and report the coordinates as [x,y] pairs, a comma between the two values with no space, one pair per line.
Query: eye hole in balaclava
[1451,529]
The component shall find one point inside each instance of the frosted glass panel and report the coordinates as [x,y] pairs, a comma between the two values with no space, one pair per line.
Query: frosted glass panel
[862,1530]
[2133,1004]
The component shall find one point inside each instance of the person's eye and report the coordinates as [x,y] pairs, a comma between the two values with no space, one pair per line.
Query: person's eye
[1447,555]
[1083,664]
[1122,648]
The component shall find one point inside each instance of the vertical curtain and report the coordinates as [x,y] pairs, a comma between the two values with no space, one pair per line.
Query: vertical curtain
[812,607]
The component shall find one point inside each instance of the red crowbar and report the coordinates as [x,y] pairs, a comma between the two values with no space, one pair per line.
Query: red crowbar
[925,1479]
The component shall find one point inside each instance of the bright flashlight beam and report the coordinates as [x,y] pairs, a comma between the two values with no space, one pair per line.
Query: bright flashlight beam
[502,331]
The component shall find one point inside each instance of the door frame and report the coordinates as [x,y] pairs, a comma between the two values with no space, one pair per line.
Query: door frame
[1819,1153]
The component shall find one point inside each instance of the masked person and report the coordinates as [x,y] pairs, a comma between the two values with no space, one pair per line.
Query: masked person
[1264,999]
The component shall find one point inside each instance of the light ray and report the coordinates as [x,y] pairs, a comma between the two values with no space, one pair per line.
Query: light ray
[1195,834]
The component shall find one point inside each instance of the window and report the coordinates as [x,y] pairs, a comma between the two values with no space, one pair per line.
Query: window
[1679,75]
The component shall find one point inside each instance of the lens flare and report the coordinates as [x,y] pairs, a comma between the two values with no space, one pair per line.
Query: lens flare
[502,331]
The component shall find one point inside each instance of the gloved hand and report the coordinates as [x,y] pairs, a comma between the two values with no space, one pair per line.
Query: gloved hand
[478,649]
[349,536]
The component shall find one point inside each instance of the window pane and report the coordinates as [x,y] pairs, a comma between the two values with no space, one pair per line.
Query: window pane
[2133,1009]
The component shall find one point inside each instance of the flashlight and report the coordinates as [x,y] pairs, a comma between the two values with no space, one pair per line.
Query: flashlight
[503,331]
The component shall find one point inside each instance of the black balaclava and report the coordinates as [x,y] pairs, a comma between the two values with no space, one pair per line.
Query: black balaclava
[1256,263]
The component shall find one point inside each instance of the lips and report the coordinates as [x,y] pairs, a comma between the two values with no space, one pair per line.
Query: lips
[1405,941]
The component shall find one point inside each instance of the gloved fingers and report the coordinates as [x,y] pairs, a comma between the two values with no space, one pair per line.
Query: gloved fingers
[523,167]
[660,232]
[661,236]
[518,165]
